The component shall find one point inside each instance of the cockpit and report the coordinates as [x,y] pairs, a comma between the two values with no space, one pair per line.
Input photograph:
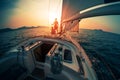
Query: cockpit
[51,58]
[44,60]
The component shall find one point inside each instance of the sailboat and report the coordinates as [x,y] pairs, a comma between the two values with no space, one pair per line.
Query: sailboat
[59,57]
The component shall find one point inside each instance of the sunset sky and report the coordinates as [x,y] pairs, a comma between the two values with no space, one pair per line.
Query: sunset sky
[106,23]
[17,13]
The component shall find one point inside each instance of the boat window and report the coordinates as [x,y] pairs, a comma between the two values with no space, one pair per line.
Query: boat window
[41,51]
[60,49]
[67,56]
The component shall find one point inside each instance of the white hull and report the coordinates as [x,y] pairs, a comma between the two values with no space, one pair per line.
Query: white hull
[78,67]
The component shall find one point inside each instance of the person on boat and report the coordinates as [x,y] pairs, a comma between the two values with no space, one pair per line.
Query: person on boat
[56,25]
[52,30]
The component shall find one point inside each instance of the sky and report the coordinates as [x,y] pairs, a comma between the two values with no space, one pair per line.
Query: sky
[17,13]
[106,23]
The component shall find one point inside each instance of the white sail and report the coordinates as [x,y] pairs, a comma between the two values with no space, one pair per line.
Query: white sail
[79,9]
[72,26]
[100,10]
[71,7]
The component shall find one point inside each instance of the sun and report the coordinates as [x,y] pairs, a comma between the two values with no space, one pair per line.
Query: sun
[52,16]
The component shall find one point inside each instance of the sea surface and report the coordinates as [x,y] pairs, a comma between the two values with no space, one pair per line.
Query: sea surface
[103,48]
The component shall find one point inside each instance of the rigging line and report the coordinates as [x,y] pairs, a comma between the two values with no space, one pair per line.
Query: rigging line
[48,11]
[53,5]
[57,8]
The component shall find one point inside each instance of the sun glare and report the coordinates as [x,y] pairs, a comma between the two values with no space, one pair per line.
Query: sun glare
[32,13]
[52,16]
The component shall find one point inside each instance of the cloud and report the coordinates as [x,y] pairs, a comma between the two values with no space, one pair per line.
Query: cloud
[6,7]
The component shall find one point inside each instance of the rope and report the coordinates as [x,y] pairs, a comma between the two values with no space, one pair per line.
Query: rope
[58,6]
[48,11]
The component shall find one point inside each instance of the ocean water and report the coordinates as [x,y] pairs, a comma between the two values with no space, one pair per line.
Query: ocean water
[13,38]
[103,48]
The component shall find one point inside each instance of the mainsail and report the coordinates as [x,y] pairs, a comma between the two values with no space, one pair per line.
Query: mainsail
[72,7]
[74,10]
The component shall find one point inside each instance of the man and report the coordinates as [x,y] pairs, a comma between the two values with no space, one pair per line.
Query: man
[56,25]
